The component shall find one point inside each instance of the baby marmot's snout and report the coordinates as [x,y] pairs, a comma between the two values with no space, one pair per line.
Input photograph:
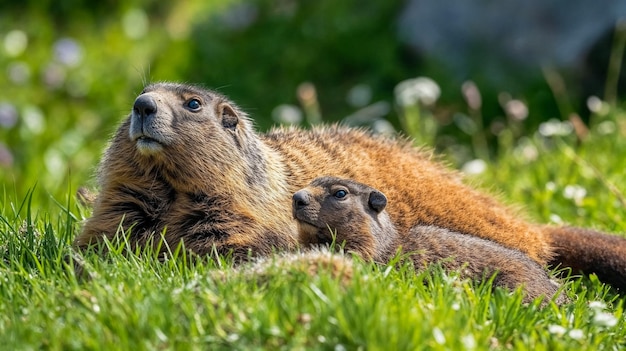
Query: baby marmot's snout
[300,200]
[303,206]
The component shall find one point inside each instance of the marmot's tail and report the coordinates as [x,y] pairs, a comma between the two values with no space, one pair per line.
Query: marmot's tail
[590,251]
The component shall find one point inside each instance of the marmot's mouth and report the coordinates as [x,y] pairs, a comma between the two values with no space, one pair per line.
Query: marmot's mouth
[309,227]
[321,236]
[148,145]
[147,139]
[303,218]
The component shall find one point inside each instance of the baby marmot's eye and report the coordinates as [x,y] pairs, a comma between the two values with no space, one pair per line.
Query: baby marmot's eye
[340,194]
[193,104]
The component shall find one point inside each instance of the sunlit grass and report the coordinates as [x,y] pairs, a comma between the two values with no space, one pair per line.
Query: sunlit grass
[140,301]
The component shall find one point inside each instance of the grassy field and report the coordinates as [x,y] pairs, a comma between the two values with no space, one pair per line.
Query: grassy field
[136,302]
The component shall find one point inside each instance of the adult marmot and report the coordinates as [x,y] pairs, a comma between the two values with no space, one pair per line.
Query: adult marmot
[353,215]
[188,163]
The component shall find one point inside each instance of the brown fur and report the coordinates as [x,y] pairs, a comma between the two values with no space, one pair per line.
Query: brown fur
[356,219]
[589,251]
[204,176]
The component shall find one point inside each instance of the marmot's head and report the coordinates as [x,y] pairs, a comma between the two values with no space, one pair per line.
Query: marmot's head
[184,134]
[167,116]
[352,212]
[186,162]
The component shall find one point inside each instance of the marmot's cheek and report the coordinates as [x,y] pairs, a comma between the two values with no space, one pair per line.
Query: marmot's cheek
[307,233]
[307,215]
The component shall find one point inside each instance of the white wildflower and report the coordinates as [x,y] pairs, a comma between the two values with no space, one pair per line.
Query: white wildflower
[556,330]
[55,162]
[605,319]
[526,150]
[439,337]
[15,42]
[555,218]
[274,330]
[516,109]
[474,167]
[576,334]
[382,126]
[555,127]
[575,192]
[595,104]
[287,114]
[33,119]
[469,342]
[597,305]
[232,337]
[135,23]
[418,90]
[606,127]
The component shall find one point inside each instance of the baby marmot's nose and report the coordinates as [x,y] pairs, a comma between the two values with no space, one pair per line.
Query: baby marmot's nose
[145,106]
[301,199]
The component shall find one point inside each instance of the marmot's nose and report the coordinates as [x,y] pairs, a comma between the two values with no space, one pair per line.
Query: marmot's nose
[301,199]
[145,106]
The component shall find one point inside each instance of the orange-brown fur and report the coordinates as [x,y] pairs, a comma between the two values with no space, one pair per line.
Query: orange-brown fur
[216,184]
[353,215]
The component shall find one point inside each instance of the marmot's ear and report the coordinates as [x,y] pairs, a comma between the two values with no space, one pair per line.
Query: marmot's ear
[229,116]
[377,201]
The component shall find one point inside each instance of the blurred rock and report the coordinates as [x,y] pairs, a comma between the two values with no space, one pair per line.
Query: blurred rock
[525,33]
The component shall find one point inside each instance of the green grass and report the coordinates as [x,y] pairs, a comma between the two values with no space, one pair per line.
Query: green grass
[137,302]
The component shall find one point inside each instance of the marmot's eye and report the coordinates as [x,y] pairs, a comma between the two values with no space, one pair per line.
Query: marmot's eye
[340,194]
[193,104]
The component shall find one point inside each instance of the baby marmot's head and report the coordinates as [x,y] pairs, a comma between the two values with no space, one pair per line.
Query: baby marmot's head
[351,212]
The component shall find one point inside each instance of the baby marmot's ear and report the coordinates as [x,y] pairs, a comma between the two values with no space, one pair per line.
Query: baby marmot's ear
[377,201]
[229,116]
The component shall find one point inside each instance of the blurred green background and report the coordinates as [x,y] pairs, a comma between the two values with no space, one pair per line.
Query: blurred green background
[70,71]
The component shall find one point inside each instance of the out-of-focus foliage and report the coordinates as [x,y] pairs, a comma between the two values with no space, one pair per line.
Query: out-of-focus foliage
[265,49]
[70,70]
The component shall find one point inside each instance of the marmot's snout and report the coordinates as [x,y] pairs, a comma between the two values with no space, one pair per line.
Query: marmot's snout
[143,115]
[145,106]
[145,128]
[301,199]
